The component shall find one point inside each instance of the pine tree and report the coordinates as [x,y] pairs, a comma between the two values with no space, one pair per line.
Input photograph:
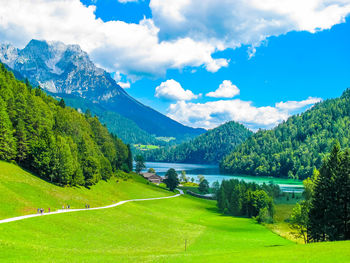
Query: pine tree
[22,142]
[129,159]
[62,104]
[7,141]
[329,212]
[343,183]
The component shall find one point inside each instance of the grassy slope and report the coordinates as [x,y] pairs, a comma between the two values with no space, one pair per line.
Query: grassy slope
[22,193]
[283,211]
[155,231]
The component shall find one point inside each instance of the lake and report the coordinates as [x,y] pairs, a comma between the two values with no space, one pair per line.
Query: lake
[212,174]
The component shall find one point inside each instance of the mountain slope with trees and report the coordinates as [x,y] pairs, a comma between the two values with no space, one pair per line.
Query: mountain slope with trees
[67,70]
[209,147]
[56,142]
[296,147]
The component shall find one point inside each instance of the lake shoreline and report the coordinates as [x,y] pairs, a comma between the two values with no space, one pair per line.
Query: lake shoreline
[212,174]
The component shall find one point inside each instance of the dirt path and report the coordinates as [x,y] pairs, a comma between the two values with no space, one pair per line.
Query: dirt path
[85,209]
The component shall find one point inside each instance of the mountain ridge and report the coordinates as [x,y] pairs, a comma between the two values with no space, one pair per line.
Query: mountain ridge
[297,146]
[68,70]
[207,148]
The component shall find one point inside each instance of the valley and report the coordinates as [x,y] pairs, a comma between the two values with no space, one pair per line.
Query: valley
[149,231]
[174,131]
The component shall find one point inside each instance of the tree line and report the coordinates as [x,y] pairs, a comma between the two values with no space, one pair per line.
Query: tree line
[56,142]
[209,147]
[296,147]
[239,198]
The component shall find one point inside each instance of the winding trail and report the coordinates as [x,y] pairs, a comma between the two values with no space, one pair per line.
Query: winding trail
[86,209]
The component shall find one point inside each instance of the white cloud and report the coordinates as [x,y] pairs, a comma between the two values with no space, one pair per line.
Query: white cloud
[237,22]
[226,90]
[215,113]
[124,85]
[132,49]
[172,90]
[296,105]
[182,33]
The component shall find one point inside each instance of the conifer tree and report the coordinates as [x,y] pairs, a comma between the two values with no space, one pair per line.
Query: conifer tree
[129,159]
[329,212]
[7,141]
[22,141]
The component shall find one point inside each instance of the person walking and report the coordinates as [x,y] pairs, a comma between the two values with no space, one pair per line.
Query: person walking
[49,210]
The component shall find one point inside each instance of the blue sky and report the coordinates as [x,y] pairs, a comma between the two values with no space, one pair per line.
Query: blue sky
[270,59]
[290,67]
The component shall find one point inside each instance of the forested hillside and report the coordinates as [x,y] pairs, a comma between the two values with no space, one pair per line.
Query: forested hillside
[68,71]
[126,129]
[209,147]
[55,142]
[297,146]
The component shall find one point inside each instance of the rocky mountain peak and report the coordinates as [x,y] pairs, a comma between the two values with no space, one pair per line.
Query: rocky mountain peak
[60,68]
[8,54]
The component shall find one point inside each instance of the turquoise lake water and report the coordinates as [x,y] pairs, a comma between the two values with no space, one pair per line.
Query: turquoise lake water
[212,174]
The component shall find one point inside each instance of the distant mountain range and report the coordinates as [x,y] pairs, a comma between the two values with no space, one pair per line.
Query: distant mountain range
[209,147]
[67,71]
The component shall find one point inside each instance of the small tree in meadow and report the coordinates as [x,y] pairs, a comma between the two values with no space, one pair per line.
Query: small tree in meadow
[140,163]
[171,180]
[151,170]
[204,187]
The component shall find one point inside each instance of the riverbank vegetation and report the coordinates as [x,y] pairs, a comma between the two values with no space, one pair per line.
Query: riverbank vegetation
[239,198]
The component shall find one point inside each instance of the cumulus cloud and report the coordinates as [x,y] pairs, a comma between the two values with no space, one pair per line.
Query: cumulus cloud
[296,105]
[172,90]
[181,33]
[214,113]
[237,22]
[132,49]
[225,90]
[124,85]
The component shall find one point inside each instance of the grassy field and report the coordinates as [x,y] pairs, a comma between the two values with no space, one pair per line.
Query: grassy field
[155,231]
[283,209]
[144,147]
[22,193]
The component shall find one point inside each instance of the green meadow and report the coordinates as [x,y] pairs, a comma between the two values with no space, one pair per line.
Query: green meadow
[181,229]
[22,193]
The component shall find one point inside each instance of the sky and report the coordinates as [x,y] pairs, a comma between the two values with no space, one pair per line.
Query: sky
[203,62]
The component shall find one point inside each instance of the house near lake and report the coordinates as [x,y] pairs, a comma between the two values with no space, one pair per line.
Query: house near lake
[153,178]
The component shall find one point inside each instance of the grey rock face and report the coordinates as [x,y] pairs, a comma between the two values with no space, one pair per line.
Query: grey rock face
[60,68]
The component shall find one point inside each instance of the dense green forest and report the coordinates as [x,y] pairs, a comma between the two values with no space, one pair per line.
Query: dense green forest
[324,214]
[56,142]
[329,209]
[239,198]
[209,147]
[296,147]
[126,129]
